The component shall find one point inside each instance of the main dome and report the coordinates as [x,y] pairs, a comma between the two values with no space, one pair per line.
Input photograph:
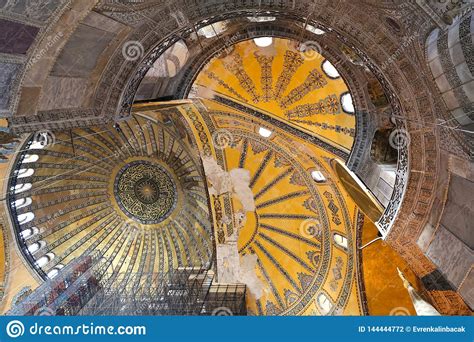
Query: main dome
[145,191]
[133,192]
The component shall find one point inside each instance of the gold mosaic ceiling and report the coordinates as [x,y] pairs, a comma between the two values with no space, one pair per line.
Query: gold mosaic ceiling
[285,80]
[301,231]
[133,192]
[136,192]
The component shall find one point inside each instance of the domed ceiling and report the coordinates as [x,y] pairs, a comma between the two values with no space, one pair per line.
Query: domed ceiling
[147,193]
[299,228]
[137,193]
[287,80]
[236,184]
[133,192]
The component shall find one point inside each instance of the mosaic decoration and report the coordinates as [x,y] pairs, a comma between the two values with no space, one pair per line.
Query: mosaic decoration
[267,77]
[231,90]
[315,80]
[145,192]
[133,192]
[235,66]
[332,207]
[281,82]
[293,263]
[293,60]
[328,105]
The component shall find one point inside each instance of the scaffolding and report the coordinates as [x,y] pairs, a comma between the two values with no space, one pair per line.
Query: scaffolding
[65,294]
[184,291]
[90,286]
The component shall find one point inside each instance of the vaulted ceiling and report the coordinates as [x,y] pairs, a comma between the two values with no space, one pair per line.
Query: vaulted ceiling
[75,67]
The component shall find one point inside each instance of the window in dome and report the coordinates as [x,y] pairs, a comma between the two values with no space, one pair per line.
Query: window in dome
[53,273]
[30,158]
[22,173]
[25,218]
[330,70]
[314,30]
[28,233]
[261,19]
[263,41]
[340,240]
[37,145]
[22,202]
[266,133]
[318,176]
[213,30]
[35,247]
[324,304]
[22,187]
[347,104]
[45,259]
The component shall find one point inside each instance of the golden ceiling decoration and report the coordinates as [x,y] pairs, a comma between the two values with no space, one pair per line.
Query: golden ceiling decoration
[145,191]
[136,194]
[133,193]
[301,232]
[284,83]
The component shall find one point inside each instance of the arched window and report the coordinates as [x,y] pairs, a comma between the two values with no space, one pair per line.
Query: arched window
[28,233]
[35,247]
[340,240]
[318,176]
[55,271]
[22,173]
[261,19]
[45,259]
[315,30]
[22,202]
[22,187]
[25,218]
[330,70]
[30,158]
[263,41]
[264,132]
[324,304]
[213,30]
[37,145]
[347,104]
